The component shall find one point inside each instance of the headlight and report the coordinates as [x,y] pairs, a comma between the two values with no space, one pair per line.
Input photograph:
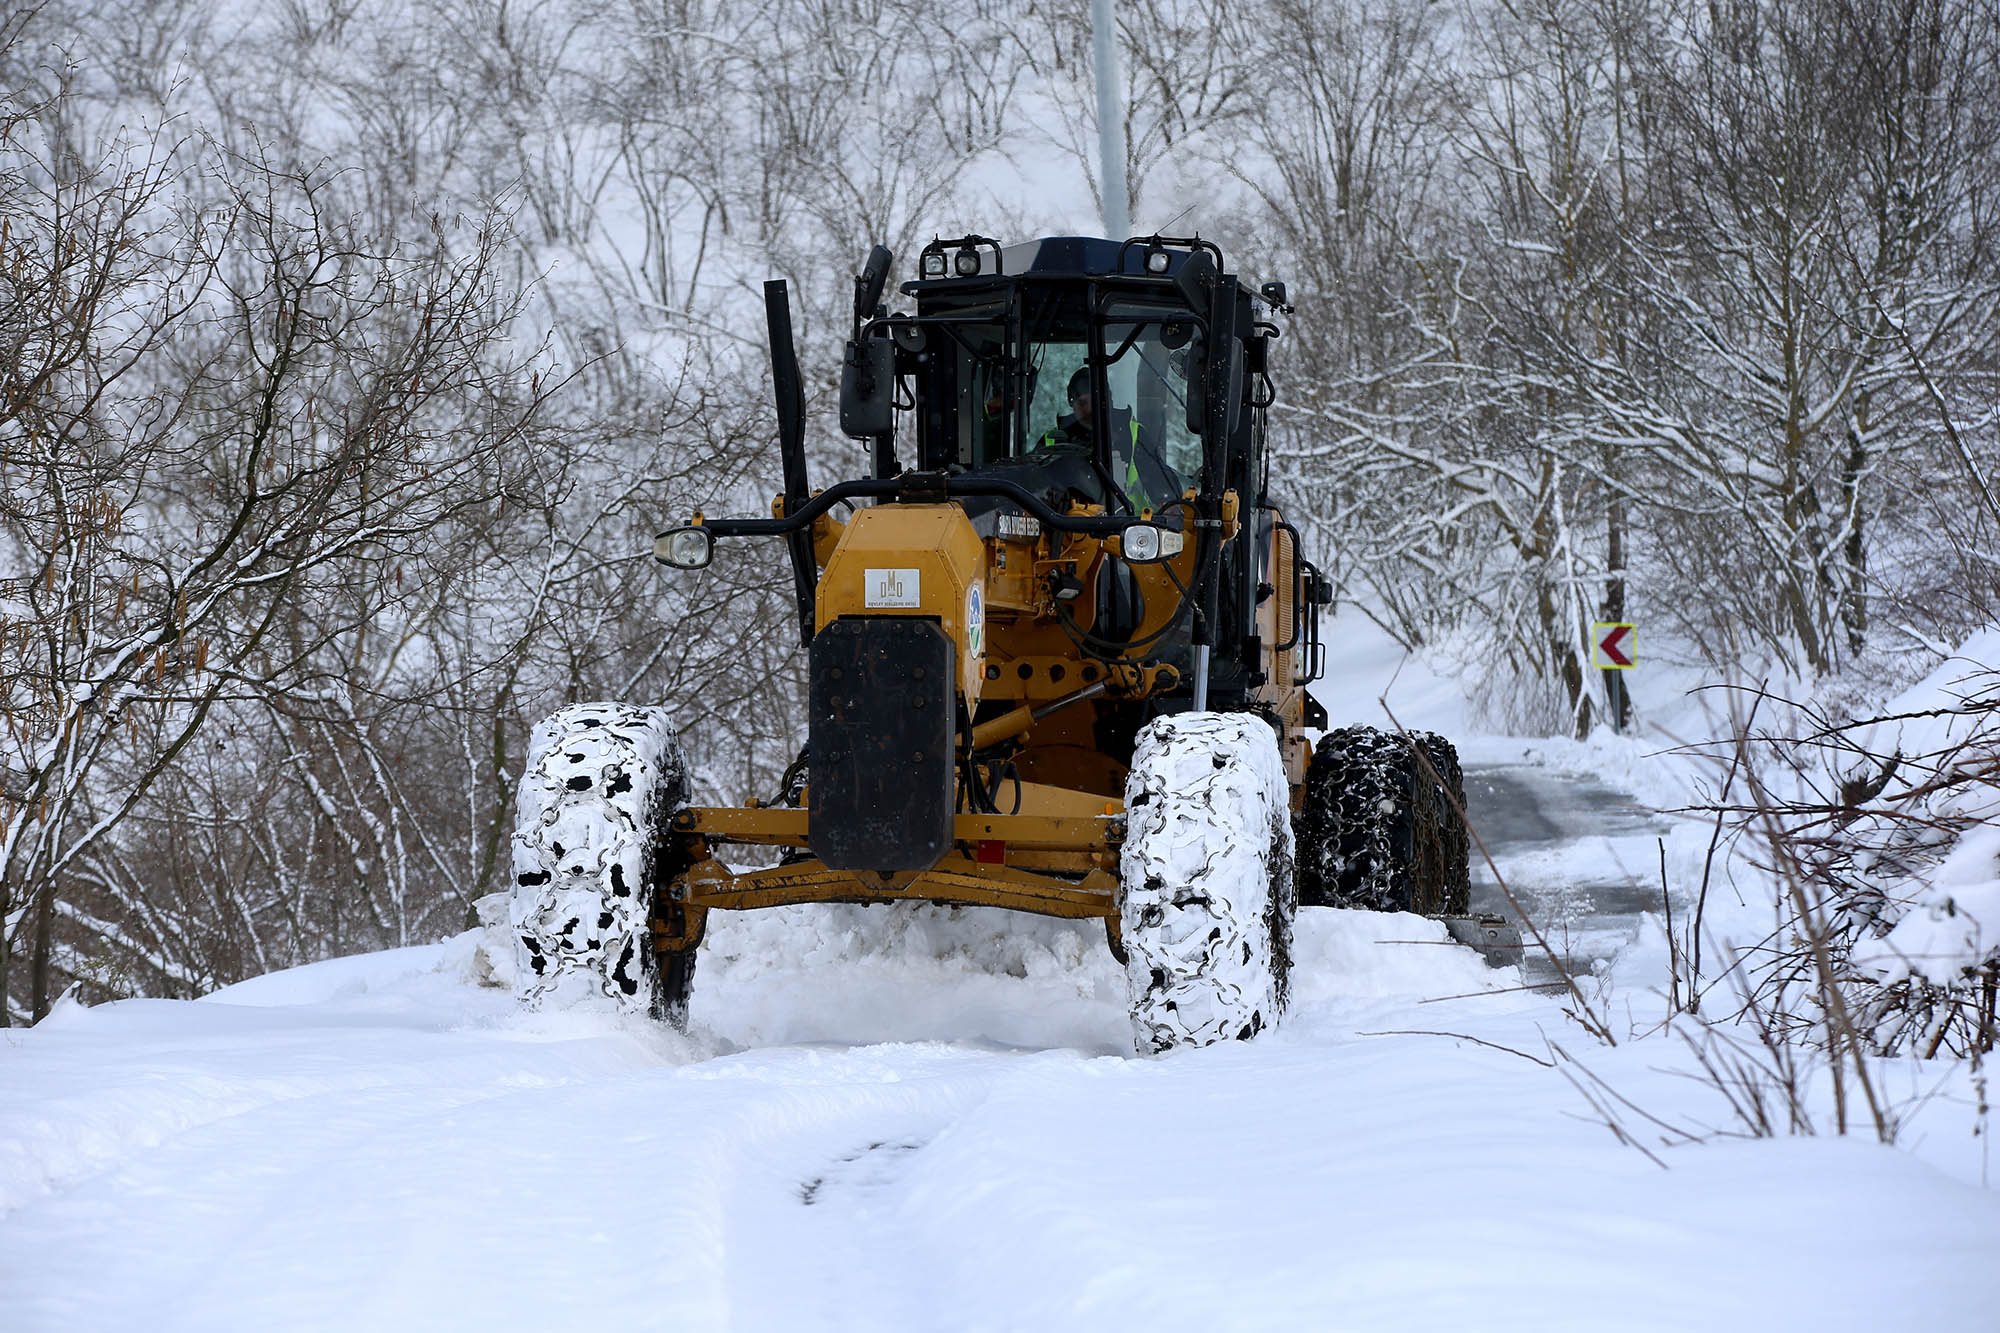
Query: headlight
[1141,543]
[685,548]
[966,262]
[1144,543]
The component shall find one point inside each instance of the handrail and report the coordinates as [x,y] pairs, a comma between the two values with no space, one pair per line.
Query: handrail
[920,488]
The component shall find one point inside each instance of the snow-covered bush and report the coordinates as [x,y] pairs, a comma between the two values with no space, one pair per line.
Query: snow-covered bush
[1882,834]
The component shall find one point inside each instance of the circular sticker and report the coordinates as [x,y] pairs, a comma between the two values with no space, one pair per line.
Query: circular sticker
[975,622]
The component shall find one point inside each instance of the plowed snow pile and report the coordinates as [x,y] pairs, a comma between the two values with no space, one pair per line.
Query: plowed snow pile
[919,1120]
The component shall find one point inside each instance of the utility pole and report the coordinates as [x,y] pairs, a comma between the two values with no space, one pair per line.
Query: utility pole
[1110,120]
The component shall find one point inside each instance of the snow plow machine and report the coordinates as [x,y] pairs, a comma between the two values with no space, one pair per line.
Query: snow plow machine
[1057,662]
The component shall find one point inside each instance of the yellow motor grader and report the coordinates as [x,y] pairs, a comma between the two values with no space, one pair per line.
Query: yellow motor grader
[1058,661]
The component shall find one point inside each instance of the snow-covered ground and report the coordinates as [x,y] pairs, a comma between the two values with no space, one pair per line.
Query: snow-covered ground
[929,1119]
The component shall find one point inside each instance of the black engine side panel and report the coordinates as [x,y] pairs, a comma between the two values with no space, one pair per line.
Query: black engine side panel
[882,795]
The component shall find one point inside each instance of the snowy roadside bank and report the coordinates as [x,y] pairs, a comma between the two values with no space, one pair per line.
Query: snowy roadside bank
[930,1119]
[854,1137]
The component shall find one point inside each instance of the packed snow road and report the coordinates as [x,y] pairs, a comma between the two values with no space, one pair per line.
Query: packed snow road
[930,1120]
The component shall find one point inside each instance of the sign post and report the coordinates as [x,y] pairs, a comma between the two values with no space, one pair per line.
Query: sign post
[1613,650]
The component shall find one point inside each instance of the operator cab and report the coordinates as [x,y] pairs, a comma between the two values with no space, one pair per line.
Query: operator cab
[1064,363]
[1059,362]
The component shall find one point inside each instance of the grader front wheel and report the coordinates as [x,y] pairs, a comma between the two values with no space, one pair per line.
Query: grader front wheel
[602,784]
[1205,897]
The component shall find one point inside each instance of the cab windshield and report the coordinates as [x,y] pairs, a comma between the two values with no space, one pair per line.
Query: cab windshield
[1116,394]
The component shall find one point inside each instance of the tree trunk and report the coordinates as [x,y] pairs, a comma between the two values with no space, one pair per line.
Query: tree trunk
[1559,636]
[6,959]
[38,964]
[1854,605]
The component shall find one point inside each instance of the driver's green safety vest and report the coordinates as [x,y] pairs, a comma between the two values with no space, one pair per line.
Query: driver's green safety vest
[1135,490]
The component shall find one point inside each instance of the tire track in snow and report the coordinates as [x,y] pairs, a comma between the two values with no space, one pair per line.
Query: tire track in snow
[817,1237]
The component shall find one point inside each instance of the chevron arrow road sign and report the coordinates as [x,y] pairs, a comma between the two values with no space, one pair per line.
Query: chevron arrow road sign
[1611,645]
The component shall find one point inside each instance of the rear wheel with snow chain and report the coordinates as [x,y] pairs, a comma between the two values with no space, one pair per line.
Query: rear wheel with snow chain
[603,783]
[1205,894]
[1455,861]
[1375,831]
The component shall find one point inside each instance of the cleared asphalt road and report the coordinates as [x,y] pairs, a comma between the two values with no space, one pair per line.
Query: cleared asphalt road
[1579,857]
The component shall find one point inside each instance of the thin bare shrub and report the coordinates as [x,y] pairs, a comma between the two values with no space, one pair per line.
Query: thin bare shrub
[1848,820]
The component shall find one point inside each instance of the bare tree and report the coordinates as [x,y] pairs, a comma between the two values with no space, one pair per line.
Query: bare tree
[1825,251]
[217,416]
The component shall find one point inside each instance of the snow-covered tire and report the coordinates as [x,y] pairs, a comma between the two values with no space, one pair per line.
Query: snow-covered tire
[1375,831]
[1205,897]
[602,785]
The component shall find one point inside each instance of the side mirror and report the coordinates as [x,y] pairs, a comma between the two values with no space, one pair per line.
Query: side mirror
[1202,286]
[869,282]
[1197,384]
[1198,372]
[868,387]
[685,548]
